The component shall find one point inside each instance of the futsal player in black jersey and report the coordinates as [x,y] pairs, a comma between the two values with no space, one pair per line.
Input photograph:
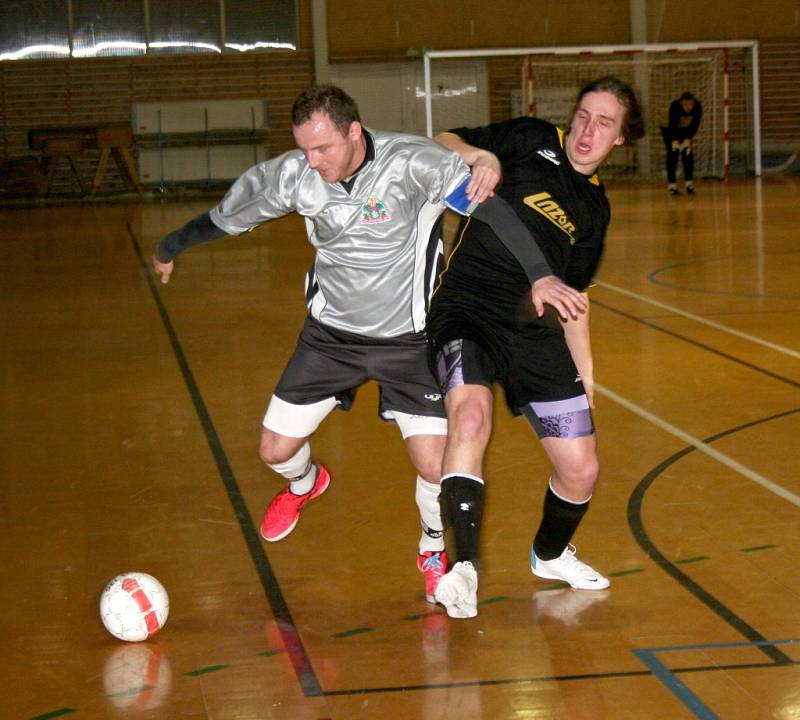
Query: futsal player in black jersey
[483,329]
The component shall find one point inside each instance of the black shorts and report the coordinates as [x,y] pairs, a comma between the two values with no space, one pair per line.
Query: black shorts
[539,381]
[333,363]
[531,366]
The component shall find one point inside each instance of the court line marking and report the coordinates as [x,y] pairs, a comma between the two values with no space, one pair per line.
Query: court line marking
[678,688]
[55,713]
[290,633]
[697,318]
[636,525]
[703,447]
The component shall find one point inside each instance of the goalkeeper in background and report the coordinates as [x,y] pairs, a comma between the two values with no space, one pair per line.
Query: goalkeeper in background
[678,132]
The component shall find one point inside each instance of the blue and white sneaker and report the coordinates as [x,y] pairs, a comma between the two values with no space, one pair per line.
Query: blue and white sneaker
[567,568]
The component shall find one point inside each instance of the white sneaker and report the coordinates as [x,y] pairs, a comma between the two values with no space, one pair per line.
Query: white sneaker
[458,591]
[570,570]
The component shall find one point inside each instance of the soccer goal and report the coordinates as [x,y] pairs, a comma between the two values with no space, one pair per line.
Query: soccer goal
[544,82]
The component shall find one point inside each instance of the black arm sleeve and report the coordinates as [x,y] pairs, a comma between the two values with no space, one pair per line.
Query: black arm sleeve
[196,231]
[511,231]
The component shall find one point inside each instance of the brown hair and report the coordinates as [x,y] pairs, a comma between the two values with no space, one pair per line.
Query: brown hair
[330,100]
[633,123]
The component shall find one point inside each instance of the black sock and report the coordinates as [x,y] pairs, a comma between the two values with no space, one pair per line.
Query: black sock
[560,520]
[461,500]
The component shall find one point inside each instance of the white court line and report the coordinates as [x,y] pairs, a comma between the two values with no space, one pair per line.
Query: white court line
[697,318]
[701,446]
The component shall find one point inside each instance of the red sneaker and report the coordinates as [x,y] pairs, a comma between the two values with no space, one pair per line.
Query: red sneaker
[432,564]
[284,511]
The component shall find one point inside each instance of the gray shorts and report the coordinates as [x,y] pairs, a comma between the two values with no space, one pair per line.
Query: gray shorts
[333,363]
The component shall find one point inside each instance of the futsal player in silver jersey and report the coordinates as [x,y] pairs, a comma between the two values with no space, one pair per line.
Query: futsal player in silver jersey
[372,203]
[483,330]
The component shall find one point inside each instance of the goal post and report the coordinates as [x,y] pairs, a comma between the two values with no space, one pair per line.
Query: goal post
[545,81]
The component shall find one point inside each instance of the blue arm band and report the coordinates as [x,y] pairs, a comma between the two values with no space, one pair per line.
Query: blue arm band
[458,200]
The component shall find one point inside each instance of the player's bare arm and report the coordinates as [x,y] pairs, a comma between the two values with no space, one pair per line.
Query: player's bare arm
[576,333]
[485,166]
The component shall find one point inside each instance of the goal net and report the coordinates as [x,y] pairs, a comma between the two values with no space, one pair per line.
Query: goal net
[545,81]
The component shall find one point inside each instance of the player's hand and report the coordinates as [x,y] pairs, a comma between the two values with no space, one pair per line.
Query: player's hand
[486,174]
[163,270]
[676,146]
[567,301]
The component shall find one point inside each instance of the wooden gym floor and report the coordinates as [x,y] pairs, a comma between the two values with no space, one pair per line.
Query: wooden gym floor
[130,416]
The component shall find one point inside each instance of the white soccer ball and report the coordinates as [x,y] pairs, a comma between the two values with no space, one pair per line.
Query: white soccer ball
[134,606]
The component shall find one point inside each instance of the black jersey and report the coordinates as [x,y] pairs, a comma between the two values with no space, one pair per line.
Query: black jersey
[566,212]
[683,125]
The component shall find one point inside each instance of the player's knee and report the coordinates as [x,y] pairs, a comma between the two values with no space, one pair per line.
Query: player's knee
[270,451]
[269,455]
[580,477]
[590,473]
[283,456]
[470,422]
[430,469]
[426,453]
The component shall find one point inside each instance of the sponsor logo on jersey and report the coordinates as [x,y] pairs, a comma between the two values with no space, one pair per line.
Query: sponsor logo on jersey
[543,203]
[433,396]
[549,155]
[374,211]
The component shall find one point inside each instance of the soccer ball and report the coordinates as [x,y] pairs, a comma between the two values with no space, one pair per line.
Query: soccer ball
[134,606]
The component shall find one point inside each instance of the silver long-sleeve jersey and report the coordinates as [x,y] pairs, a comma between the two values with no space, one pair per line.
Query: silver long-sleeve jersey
[376,258]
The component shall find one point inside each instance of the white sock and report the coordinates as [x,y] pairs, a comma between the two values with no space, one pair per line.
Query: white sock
[430,516]
[298,470]
[305,483]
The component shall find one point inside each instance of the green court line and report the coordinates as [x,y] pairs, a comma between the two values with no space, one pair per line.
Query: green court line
[626,572]
[354,631]
[757,548]
[209,669]
[55,713]
[491,601]
[270,653]
[686,561]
